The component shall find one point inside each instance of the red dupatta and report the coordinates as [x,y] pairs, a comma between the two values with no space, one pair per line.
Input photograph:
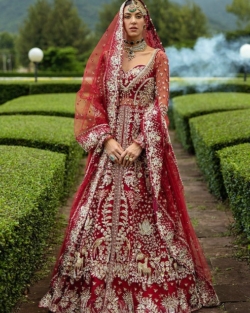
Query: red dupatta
[95,117]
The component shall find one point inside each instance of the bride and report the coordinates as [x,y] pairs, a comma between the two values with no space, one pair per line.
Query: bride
[129,246]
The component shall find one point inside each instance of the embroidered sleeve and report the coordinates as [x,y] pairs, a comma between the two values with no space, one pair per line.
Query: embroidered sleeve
[140,140]
[162,81]
[95,137]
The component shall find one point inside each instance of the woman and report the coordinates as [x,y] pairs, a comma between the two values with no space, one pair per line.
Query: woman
[129,247]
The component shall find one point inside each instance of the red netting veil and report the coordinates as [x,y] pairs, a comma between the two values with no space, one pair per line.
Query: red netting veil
[96,113]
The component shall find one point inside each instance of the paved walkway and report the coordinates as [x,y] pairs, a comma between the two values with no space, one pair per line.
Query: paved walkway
[210,219]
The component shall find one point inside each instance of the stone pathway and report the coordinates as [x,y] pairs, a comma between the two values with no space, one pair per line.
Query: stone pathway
[210,219]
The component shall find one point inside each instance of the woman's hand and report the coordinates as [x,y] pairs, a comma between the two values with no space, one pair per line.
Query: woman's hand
[112,147]
[130,154]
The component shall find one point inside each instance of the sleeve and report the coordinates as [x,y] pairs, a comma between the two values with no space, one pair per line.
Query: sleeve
[96,136]
[162,81]
[161,88]
[140,140]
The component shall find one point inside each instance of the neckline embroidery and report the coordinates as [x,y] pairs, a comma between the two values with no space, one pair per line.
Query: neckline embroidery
[145,65]
[126,88]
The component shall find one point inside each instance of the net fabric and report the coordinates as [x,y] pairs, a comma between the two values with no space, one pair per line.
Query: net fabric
[91,120]
[92,102]
[163,165]
[96,113]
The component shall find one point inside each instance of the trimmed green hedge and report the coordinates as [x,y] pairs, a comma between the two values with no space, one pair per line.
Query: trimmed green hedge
[12,90]
[186,107]
[44,132]
[31,185]
[9,91]
[42,74]
[235,167]
[213,132]
[54,87]
[52,104]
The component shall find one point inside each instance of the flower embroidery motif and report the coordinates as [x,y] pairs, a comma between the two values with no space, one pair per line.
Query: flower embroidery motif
[145,228]
[118,240]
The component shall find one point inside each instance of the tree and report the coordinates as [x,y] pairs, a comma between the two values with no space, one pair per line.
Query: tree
[52,25]
[175,24]
[194,22]
[7,51]
[60,59]
[33,32]
[65,28]
[7,41]
[106,15]
[241,8]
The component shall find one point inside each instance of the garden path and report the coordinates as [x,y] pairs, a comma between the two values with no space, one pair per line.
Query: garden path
[211,220]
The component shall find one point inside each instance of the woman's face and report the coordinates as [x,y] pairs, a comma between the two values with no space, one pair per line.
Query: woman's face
[133,24]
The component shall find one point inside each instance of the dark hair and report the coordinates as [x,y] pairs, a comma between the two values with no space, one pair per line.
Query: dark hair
[128,2]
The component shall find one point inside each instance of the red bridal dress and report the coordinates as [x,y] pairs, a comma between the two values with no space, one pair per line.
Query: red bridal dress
[130,246]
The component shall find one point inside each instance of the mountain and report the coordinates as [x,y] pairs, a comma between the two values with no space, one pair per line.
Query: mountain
[218,17]
[13,12]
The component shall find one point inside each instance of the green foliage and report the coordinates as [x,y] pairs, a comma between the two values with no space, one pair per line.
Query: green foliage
[186,107]
[12,13]
[175,24]
[233,35]
[178,25]
[7,51]
[106,15]
[46,74]
[64,26]
[11,91]
[58,87]
[184,87]
[30,188]
[60,60]
[33,31]
[56,25]
[241,8]
[235,167]
[213,132]
[7,41]
[53,104]
[44,132]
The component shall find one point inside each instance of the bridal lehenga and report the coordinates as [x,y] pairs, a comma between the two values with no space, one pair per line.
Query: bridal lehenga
[130,246]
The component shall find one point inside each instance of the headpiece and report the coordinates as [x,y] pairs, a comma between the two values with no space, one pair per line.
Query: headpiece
[137,5]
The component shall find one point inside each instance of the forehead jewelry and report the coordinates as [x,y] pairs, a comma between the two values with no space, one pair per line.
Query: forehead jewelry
[137,5]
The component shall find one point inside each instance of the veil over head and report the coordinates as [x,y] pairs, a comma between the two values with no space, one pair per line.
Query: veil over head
[96,100]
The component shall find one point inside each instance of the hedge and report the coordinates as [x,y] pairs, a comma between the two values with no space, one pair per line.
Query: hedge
[186,107]
[235,167]
[12,90]
[44,132]
[53,104]
[9,91]
[214,132]
[186,86]
[54,87]
[30,188]
[42,74]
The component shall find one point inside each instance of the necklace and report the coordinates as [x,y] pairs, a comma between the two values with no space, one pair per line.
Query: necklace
[131,47]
